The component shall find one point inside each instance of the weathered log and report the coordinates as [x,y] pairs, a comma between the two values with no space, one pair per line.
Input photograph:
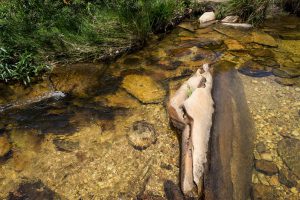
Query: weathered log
[228,174]
[199,108]
[191,110]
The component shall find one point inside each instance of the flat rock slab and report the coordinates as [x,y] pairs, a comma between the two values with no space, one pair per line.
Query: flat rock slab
[144,88]
[289,151]
[229,172]
[264,39]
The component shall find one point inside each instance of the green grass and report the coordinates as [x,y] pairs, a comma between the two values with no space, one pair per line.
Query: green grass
[251,11]
[35,33]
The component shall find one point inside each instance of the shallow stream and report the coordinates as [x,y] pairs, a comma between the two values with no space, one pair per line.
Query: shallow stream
[101,131]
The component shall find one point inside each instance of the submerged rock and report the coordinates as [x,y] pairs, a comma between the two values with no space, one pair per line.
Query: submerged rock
[287,81]
[287,72]
[142,135]
[287,178]
[267,62]
[264,39]
[187,26]
[172,191]
[289,149]
[76,79]
[233,45]
[266,167]
[169,65]
[262,53]
[65,145]
[206,17]
[261,147]
[4,146]
[120,99]
[144,88]
[180,52]
[132,61]
[33,191]
[251,68]
[290,36]
[263,192]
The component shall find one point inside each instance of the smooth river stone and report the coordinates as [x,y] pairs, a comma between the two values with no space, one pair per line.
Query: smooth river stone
[144,88]
[228,175]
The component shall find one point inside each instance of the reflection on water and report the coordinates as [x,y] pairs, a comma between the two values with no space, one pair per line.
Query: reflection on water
[84,145]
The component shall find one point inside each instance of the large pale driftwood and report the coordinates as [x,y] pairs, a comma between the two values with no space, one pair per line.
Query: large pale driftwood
[191,110]
[199,108]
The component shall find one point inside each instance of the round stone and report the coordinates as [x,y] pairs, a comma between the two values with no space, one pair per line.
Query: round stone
[142,135]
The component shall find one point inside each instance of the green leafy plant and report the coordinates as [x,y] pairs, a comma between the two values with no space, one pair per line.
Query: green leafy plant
[18,67]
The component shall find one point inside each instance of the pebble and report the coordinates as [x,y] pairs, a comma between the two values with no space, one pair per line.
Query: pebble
[266,156]
[294,190]
[263,179]
[274,181]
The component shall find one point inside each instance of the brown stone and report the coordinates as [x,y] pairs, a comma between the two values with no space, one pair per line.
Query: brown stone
[266,167]
[4,146]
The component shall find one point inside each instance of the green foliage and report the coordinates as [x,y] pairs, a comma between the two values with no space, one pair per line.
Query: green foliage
[144,16]
[251,11]
[18,67]
[39,31]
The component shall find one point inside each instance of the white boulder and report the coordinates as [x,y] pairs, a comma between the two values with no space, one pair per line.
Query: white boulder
[206,17]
